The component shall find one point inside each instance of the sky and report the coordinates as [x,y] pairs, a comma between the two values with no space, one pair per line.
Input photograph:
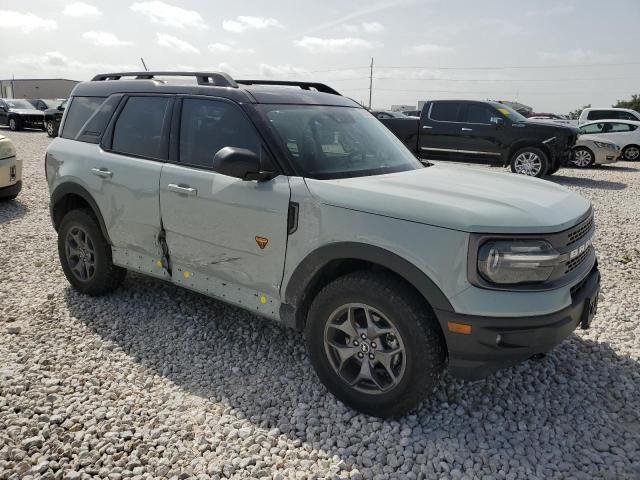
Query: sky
[555,56]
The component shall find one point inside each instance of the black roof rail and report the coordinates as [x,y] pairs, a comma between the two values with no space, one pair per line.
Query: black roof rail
[320,87]
[216,79]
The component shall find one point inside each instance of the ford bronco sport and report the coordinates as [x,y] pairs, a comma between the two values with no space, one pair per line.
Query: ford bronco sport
[291,201]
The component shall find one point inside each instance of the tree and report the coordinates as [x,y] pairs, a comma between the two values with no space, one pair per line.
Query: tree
[633,104]
[575,114]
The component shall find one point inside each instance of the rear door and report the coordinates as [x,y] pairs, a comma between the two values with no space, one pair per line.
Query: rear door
[440,129]
[619,133]
[124,179]
[226,237]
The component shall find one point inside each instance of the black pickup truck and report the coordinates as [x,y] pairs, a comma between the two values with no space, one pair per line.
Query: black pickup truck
[472,131]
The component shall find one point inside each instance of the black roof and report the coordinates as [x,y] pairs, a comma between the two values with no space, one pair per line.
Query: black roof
[215,84]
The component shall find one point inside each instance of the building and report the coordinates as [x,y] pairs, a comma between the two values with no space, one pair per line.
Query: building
[36,88]
[401,108]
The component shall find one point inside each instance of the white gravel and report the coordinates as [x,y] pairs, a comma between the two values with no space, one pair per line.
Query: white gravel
[158,382]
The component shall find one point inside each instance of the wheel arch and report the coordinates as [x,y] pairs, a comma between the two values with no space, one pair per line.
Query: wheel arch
[70,196]
[528,143]
[329,262]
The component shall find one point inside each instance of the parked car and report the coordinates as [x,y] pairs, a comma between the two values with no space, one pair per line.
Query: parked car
[10,170]
[589,114]
[43,104]
[624,133]
[298,205]
[19,114]
[592,150]
[53,117]
[472,131]
[552,118]
[387,114]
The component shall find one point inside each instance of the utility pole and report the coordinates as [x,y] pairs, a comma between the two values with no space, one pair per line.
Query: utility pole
[370,82]
[144,64]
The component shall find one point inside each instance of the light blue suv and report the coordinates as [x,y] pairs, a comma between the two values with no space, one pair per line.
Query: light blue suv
[292,201]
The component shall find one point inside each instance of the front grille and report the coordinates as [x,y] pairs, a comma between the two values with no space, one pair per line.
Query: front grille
[579,232]
[577,261]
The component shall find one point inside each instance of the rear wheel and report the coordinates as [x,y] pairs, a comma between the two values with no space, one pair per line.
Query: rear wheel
[85,255]
[582,157]
[15,124]
[631,153]
[530,161]
[374,344]
[50,128]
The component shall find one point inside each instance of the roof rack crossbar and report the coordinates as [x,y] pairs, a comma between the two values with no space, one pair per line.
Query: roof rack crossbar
[320,87]
[216,79]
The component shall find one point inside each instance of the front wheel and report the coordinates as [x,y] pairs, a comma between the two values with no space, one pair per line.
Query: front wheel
[50,128]
[631,153]
[374,344]
[530,161]
[14,124]
[582,157]
[85,255]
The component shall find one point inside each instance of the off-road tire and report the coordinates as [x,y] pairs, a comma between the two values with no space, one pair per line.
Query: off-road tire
[107,276]
[50,128]
[414,320]
[544,160]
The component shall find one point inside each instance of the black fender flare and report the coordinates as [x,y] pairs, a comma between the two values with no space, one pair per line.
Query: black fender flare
[306,271]
[69,188]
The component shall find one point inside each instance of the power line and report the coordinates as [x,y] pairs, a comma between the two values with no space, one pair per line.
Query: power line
[511,67]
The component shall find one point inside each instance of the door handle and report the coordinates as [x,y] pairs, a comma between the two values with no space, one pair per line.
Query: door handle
[427,126]
[466,129]
[102,172]
[182,189]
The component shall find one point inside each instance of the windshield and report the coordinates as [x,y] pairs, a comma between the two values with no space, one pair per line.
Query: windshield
[338,142]
[509,113]
[19,104]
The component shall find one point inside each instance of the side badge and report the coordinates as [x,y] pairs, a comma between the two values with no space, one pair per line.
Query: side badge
[262,242]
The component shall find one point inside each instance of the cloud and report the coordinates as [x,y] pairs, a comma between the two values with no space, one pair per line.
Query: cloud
[561,9]
[105,39]
[176,44]
[79,9]
[242,23]
[577,56]
[427,49]
[369,10]
[229,48]
[332,45]
[366,27]
[58,62]
[165,14]
[281,71]
[25,22]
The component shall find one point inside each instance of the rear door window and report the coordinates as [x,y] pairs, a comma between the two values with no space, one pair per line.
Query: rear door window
[79,111]
[612,127]
[445,111]
[139,128]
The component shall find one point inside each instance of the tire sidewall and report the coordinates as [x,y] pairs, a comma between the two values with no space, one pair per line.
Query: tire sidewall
[13,124]
[543,157]
[51,126]
[413,337]
[626,149]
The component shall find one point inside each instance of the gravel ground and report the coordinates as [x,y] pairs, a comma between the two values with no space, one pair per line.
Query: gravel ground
[158,382]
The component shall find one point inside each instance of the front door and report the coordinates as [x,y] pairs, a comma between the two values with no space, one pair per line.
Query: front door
[226,237]
[479,133]
[4,113]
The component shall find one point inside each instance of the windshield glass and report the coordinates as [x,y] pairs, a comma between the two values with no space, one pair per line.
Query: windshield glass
[338,142]
[509,113]
[19,104]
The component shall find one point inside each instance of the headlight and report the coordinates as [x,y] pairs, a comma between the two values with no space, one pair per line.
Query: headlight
[517,261]
[605,145]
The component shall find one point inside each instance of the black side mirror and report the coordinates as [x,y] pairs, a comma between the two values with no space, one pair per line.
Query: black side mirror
[239,163]
[60,107]
[3,108]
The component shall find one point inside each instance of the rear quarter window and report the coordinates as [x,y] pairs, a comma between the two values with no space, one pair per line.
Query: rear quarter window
[79,111]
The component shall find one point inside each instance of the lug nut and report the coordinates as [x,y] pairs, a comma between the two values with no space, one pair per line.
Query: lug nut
[363,336]
[373,345]
[360,355]
[356,343]
[372,356]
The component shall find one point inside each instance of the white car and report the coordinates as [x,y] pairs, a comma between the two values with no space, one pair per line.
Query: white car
[611,113]
[592,150]
[624,133]
[553,119]
[10,170]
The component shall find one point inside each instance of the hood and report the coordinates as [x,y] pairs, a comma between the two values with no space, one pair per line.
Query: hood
[550,127]
[460,198]
[26,111]
[7,149]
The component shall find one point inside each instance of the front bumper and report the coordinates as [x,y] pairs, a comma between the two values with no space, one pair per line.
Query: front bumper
[11,190]
[500,342]
[603,156]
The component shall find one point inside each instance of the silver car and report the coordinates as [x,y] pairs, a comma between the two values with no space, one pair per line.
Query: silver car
[298,205]
[591,150]
[10,170]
